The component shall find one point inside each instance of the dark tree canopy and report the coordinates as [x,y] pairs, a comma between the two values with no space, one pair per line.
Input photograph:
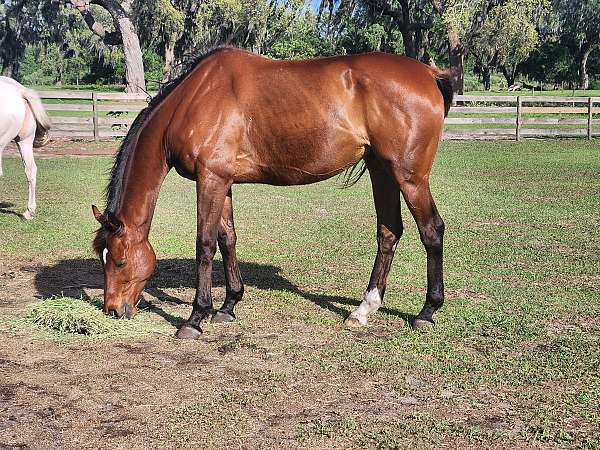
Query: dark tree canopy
[134,42]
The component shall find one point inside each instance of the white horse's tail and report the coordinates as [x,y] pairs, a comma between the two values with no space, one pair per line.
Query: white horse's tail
[42,137]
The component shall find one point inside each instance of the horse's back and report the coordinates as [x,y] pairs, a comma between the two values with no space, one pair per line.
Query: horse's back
[292,122]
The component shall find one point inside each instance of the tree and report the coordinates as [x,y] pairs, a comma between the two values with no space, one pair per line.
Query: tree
[413,18]
[462,21]
[580,29]
[506,39]
[257,25]
[124,34]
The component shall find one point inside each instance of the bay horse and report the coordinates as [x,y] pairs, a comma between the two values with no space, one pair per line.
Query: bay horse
[237,117]
[23,120]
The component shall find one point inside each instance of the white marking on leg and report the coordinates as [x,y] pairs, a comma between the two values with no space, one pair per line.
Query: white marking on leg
[371,302]
[104,254]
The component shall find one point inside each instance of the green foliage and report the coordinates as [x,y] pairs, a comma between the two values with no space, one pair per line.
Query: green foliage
[300,41]
[46,42]
[551,63]
[458,15]
[508,36]
[153,66]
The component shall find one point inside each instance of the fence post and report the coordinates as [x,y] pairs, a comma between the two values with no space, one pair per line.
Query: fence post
[95,116]
[589,127]
[518,130]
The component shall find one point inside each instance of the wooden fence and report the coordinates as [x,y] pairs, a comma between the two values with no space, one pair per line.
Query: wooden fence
[516,117]
[102,115]
[92,115]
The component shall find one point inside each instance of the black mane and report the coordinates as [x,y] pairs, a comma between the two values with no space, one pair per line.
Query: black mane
[115,185]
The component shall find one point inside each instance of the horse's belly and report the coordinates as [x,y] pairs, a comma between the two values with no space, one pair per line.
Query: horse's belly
[293,167]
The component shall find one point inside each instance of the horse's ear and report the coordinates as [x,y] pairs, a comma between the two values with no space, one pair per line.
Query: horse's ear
[108,220]
[112,222]
[98,215]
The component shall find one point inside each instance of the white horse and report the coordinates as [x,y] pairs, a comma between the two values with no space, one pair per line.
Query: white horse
[24,120]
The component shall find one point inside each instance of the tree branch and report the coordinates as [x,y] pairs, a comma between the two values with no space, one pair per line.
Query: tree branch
[109,38]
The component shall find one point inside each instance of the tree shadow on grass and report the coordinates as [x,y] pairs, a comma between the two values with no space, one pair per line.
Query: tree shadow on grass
[72,276]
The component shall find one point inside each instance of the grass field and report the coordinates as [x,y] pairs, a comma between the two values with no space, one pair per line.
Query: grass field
[514,361]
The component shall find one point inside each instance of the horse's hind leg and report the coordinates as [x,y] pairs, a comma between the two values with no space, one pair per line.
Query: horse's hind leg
[234,287]
[386,194]
[212,191]
[26,150]
[431,229]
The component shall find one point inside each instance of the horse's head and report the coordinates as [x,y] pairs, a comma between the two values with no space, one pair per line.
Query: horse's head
[128,261]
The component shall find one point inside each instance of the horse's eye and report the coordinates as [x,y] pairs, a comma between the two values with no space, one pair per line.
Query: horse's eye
[121,263]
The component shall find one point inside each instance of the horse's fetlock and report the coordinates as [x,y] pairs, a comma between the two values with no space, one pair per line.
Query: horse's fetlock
[435,299]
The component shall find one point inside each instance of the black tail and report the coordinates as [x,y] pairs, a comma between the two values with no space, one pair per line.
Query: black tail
[444,82]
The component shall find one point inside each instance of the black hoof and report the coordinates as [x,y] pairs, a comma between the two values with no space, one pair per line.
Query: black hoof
[188,332]
[222,317]
[422,324]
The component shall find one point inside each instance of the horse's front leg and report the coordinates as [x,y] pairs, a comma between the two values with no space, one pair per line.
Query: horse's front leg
[211,190]
[234,287]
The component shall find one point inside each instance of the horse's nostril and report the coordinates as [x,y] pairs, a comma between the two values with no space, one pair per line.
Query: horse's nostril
[112,313]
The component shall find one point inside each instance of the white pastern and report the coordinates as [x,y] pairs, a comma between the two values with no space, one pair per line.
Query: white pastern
[104,254]
[371,302]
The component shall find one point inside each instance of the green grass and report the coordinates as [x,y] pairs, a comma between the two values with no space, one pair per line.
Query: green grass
[520,328]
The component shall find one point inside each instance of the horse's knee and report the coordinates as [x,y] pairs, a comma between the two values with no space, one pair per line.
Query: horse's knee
[387,240]
[31,172]
[205,250]
[226,238]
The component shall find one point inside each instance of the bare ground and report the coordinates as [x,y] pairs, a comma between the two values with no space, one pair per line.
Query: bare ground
[69,147]
[250,384]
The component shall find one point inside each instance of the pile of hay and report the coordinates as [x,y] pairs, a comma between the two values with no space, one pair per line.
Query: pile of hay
[72,316]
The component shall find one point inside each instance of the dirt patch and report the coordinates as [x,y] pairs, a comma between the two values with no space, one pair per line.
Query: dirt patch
[462,293]
[70,147]
[573,324]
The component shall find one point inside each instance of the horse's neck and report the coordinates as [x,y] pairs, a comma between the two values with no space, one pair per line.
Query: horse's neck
[142,179]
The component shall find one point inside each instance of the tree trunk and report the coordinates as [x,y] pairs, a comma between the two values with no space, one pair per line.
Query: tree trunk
[584,79]
[134,63]
[509,75]
[124,34]
[169,54]
[486,74]
[456,56]
[408,37]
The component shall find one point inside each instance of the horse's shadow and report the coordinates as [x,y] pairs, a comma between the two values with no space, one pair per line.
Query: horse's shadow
[72,276]
[4,209]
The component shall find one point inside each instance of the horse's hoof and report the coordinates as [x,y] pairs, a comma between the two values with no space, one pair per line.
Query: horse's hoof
[188,332]
[422,324]
[27,215]
[222,317]
[353,323]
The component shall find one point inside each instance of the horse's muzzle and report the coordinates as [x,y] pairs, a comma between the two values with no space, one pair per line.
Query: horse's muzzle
[118,313]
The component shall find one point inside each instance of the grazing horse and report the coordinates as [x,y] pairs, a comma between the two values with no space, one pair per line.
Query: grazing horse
[24,120]
[237,117]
